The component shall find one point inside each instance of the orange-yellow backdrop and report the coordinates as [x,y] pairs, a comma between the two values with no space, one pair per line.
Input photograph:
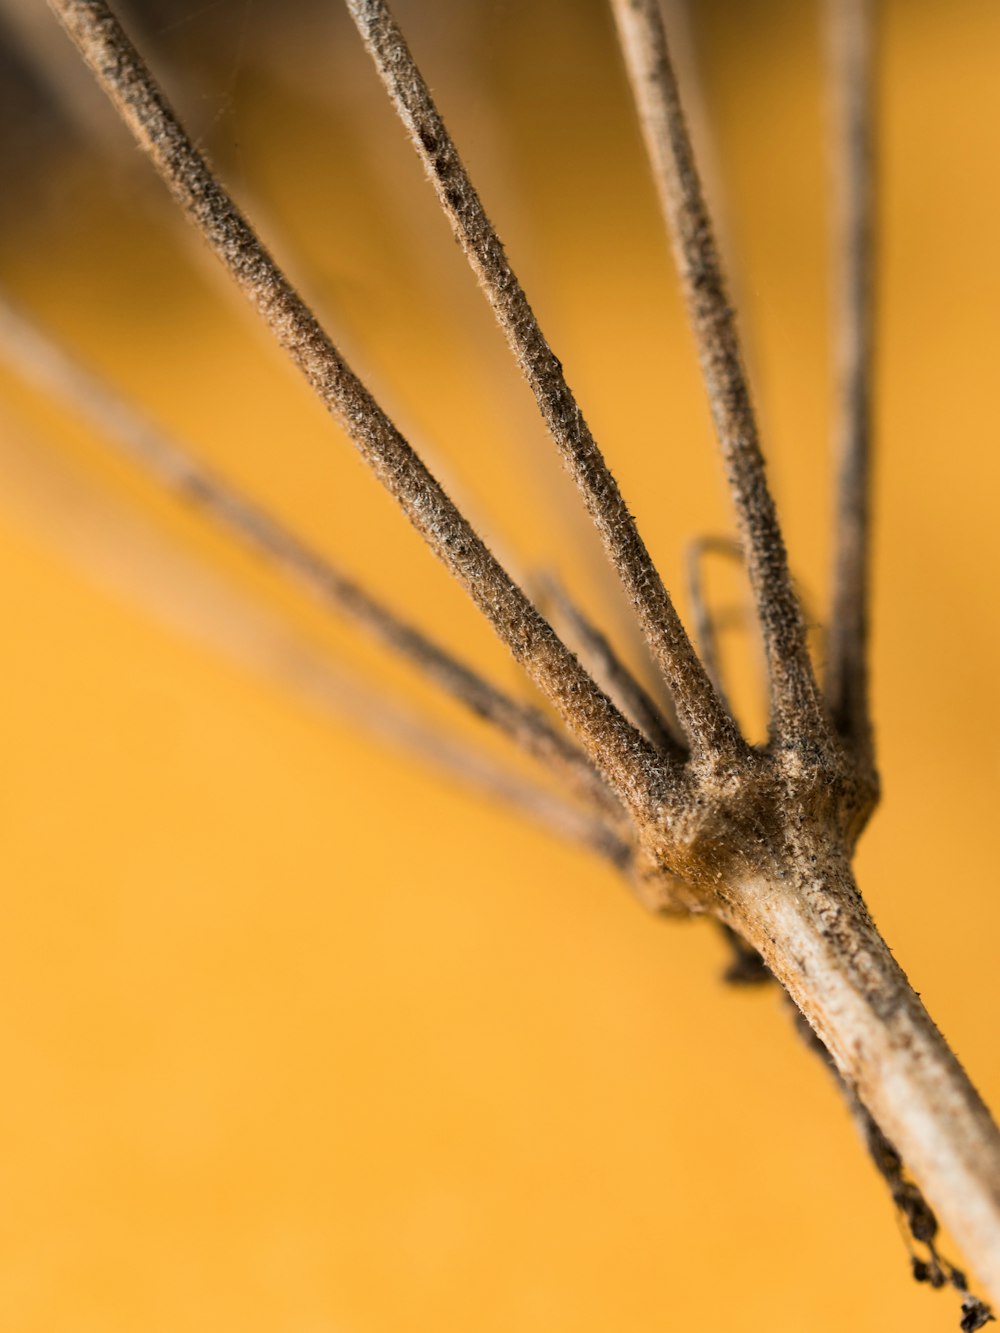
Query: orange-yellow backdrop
[295,1035]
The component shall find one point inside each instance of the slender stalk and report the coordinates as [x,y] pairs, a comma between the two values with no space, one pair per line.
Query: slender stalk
[28,30]
[611,673]
[118,552]
[846,680]
[705,626]
[808,922]
[629,763]
[705,722]
[37,359]
[393,723]
[797,712]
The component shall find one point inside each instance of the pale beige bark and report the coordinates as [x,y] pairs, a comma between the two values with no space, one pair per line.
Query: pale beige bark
[815,934]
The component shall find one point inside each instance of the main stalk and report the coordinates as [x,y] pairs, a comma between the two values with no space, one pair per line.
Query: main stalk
[812,928]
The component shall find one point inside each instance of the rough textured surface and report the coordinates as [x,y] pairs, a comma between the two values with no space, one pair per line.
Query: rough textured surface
[808,921]
[629,763]
[797,713]
[760,838]
[708,727]
[606,666]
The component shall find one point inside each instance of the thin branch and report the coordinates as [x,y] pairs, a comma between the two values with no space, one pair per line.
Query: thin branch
[29,30]
[393,723]
[37,359]
[608,669]
[45,494]
[550,813]
[846,682]
[705,625]
[631,766]
[797,712]
[706,723]
[761,843]
[679,18]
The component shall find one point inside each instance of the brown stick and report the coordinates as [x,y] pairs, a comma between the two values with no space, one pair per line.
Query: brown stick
[630,765]
[45,494]
[846,677]
[393,723]
[797,712]
[37,359]
[705,721]
[608,669]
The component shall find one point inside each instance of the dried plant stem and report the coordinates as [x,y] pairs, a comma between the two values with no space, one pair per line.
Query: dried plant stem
[467,768]
[797,712]
[705,722]
[758,837]
[846,681]
[29,28]
[811,928]
[920,1225]
[637,773]
[51,501]
[393,723]
[608,669]
[24,347]
[804,914]
[705,626]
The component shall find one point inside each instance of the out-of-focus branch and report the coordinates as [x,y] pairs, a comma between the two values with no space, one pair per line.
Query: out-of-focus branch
[629,764]
[608,669]
[37,359]
[850,28]
[49,500]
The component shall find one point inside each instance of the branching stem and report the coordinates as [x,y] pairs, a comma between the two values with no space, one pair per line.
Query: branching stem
[757,836]
[394,723]
[120,552]
[631,766]
[706,723]
[40,361]
[797,712]
[608,669]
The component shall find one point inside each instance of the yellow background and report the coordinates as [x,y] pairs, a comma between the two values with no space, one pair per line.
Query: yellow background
[296,1036]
